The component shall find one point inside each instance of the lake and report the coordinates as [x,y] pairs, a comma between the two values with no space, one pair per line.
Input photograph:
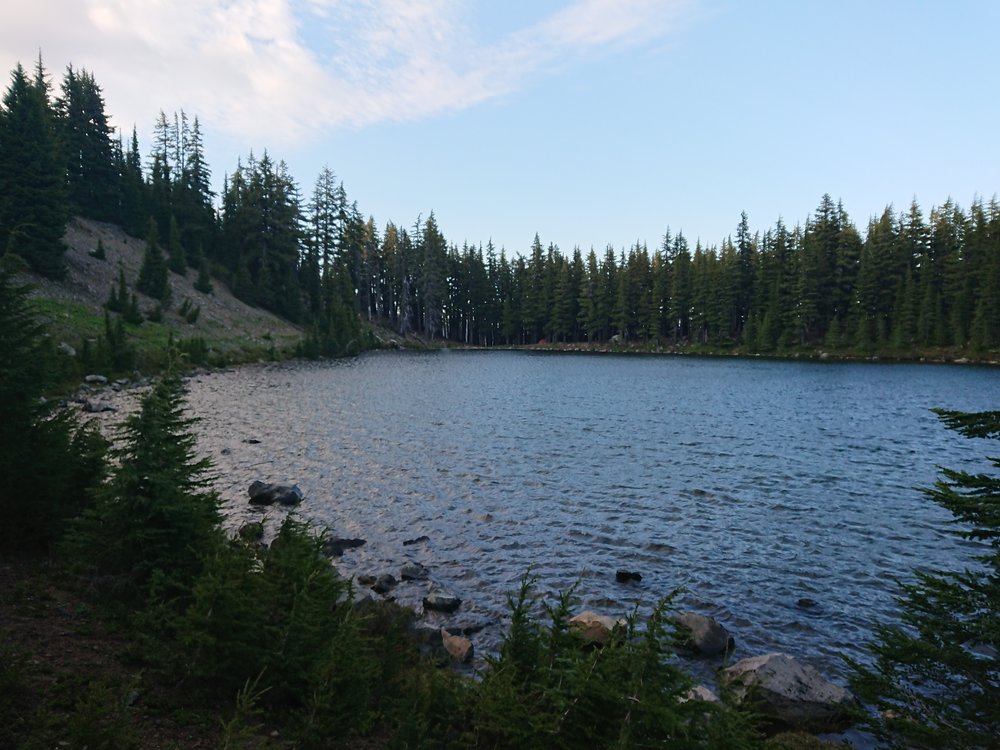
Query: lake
[750,484]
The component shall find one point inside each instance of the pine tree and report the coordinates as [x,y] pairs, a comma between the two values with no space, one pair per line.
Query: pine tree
[48,463]
[935,682]
[153,275]
[177,259]
[87,149]
[204,281]
[33,203]
[156,519]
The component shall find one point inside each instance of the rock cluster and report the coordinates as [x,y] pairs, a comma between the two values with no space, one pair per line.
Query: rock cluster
[264,493]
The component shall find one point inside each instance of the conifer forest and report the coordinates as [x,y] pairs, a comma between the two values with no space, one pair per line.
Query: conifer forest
[908,280]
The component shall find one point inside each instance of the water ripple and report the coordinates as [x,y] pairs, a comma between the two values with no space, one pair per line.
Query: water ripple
[748,484]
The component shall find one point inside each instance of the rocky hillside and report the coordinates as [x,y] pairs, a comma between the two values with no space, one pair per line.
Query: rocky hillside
[75,305]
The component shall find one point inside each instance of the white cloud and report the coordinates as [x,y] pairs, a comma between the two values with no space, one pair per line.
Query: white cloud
[286,70]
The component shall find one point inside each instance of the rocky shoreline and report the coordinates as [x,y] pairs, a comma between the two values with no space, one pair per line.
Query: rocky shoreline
[788,692]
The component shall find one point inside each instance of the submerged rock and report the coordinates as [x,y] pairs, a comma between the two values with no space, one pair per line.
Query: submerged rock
[704,635]
[335,546]
[414,572]
[418,540]
[789,692]
[384,584]
[264,493]
[626,576]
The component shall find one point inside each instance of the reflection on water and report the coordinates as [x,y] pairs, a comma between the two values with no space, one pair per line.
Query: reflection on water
[749,484]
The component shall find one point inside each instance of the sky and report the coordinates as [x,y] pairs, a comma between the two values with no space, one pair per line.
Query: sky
[588,122]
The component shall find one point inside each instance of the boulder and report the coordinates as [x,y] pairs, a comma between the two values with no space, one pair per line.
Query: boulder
[264,493]
[788,692]
[704,635]
[414,572]
[441,601]
[335,546]
[593,628]
[384,584]
[66,349]
[627,576]
[96,380]
[418,540]
[96,407]
[460,649]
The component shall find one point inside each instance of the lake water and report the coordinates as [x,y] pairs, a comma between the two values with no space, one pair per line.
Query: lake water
[751,484]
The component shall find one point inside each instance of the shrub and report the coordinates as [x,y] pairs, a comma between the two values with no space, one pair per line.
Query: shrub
[545,690]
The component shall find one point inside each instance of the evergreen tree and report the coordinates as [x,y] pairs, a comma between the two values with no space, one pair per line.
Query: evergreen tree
[118,298]
[935,682]
[204,281]
[153,275]
[88,151]
[177,258]
[33,204]
[133,210]
[99,253]
[48,463]
[155,520]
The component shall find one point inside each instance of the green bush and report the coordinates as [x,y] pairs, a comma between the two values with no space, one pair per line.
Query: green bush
[547,690]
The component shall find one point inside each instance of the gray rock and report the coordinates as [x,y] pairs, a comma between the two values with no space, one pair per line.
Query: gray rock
[441,601]
[263,493]
[96,380]
[593,628]
[788,692]
[66,349]
[97,407]
[414,572]
[384,584]
[335,546]
[704,635]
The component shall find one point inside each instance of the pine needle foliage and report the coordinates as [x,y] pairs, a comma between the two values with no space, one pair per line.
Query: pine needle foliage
[935,681]
[156,519]
[547,690]
[47,460]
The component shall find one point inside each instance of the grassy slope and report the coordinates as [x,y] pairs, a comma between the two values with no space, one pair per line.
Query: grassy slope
[74,306]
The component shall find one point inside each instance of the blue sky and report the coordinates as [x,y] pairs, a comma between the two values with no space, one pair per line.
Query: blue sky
[590,122]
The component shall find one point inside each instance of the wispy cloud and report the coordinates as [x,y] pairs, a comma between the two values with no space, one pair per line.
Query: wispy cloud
[288,70]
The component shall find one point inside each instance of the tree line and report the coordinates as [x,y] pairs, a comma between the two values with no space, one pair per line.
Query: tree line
[907,282]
